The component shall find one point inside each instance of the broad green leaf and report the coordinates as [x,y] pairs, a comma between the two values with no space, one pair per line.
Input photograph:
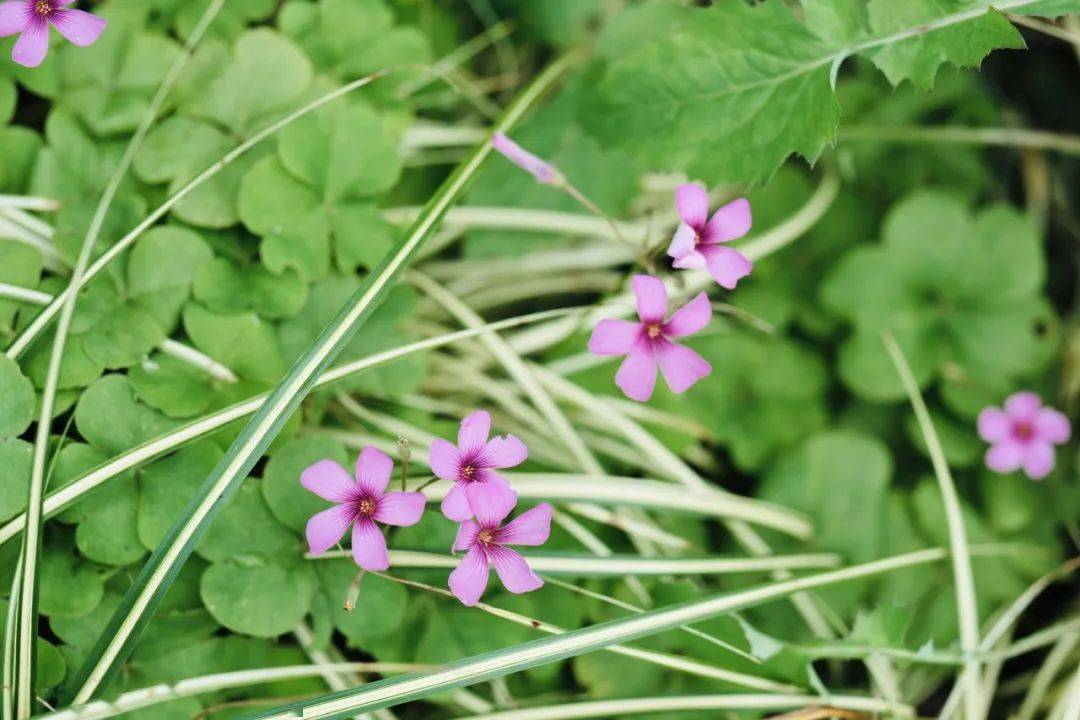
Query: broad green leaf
[239,341]
[224,287]
[19,265]
[15,457]
[728,92]
[171,386]
[107,531]
[19,147]
[380,607]
[266,75]
[69,587]
[246,528]
[110,418]
[168,484]
[161,268]
[958,290]
[258,597]
[17,407]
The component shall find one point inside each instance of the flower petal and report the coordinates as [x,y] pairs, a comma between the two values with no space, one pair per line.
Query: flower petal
[637,374]
[531,527]
[373,470]
[32,45]
[400,508]
[692,202]
[682,367]
[369,546]
[994,425]
[505,451]
[490,502]
[730,222]
[543,172]
[514,571]
[13,17]
[690,318]
[1052,426]
[727,266]
[455,506]
[693,260]
[326,528]
[1022,406]
[470,577]
[651,298]
[683,242]
[474,431]
[1005,457]
[1038,460]
[444,459]
[329,481]
[613,337]
[466,536]
[79,27]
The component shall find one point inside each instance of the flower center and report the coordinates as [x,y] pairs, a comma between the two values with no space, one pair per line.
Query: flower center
[43,7]
[653,330]
[366,507]
[486,537]
[1024,430]
[468,472]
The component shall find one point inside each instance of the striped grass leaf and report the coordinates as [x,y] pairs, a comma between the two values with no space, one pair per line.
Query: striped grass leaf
[698,703]
[616,565]
[25,590]
[388,693]
[165,563]
[966,606]
[679,663]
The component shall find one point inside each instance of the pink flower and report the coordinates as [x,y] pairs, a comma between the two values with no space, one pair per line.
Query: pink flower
[1023,435]
[699,244]
[472,464]
[486,541]
[32,18]
[544,173]
[362,503]
[648,342]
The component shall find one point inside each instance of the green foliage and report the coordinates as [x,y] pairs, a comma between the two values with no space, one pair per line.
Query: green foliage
[925,240]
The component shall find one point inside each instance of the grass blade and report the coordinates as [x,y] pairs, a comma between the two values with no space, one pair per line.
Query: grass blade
[24,637]
[692,703]
[161,569]
[966,607]
[63,497]
[476,669]
[617,565]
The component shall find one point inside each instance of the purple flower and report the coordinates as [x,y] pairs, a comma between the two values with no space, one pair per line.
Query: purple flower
[543,172]
[362,503]
[1023,435]
[648,342]
[31,20]
[485,542]
[699,244]
[473,464]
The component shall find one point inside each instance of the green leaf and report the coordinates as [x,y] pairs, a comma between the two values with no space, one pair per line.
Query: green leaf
[172,386]
[241,342]
[258,597]
[287,499]
[380,607]
[70,588]
[168,484]
[959,291]
[224,287]
[107,518]
[19,147]
[728,92]
[246,527]
[161,268]
[918,58]
[349,151]
[109,417]
[17,408]
[15,458]
[266,75]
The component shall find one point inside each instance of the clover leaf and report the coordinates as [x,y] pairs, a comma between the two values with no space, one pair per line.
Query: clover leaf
[258,597]
[17,408]
[958,290]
